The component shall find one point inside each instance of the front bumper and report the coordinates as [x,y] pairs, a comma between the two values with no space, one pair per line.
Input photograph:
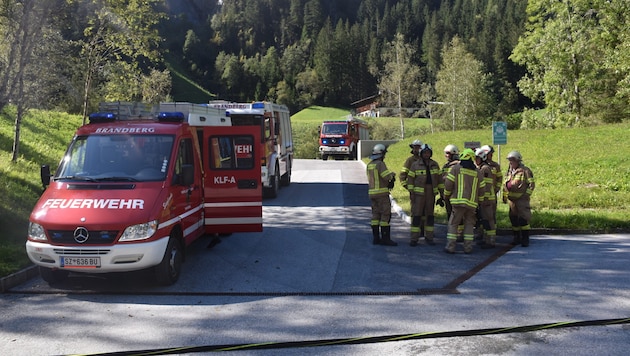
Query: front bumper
[114,258]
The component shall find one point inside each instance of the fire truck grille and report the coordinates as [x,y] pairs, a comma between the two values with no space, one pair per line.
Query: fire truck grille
[91,252]
[67,237]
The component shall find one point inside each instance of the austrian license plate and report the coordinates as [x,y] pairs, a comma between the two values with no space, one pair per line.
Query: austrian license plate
[84,262]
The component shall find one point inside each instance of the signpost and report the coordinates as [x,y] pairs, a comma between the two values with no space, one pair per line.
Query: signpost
[499,135]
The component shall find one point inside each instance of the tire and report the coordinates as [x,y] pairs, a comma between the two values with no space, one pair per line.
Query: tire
[52,276]
[168,271]
[272,192]
[353,154]
[285,180]
[325,157]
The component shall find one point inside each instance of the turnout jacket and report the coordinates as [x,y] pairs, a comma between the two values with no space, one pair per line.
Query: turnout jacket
[498,175]
[464,187]
[489,192]
[404,172]
[378,178]
[519,183]
[421,174]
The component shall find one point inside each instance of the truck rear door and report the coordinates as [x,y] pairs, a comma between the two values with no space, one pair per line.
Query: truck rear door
[232,187]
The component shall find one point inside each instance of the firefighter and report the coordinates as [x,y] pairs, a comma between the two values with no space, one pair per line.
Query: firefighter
[424,183]
[404,172]
[496,168]
[380,182]
[487,203]
[415,155]
[463,187]
[517,190]
[451,153]
[497,176]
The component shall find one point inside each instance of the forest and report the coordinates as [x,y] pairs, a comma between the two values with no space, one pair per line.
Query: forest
[481,60]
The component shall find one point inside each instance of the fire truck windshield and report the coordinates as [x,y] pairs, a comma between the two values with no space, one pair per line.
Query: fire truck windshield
[116,158]
[334,129]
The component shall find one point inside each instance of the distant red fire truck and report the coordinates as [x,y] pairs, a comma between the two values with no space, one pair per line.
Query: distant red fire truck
[340,139]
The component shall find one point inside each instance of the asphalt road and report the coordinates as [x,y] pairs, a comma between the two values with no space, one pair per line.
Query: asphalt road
[313,277]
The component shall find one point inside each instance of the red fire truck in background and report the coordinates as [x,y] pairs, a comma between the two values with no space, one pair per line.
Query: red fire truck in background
[340,139]
[274,121]
[138,184]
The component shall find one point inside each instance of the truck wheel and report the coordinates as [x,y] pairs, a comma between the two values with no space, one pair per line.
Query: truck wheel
[52,276]
[325,157]
[353,154]
[168,271]
[272,191]
[286,178]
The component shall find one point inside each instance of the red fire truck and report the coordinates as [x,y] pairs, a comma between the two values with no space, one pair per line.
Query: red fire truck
[137,185]
[340,139]
[274,121]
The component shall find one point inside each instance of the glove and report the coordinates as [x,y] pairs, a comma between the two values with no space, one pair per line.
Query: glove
[390,185]
[440,202]
[505,197]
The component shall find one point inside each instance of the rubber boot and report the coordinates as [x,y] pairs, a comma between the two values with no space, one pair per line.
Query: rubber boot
[385,238]
[450,245]
[488,242]
[468,246]
[428,238]
[517,238]
[376,238]
[415,231]
[525,238]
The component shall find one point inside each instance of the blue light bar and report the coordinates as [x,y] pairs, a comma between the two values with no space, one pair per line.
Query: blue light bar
[258,105]
[175,116]
[99,117]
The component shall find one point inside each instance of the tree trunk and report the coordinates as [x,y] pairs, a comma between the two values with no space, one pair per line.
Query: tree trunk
[16,137]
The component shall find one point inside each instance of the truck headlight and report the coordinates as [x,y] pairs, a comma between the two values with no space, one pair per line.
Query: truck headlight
[36,232]
[140,231]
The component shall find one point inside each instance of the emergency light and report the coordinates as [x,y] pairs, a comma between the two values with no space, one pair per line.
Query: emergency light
[175,116]
[99,117]
[258,105]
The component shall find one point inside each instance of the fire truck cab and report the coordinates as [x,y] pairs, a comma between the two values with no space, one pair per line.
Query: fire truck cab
[139,184]
[340,139]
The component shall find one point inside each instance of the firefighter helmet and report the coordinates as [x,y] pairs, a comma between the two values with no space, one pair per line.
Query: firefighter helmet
[378,151]
[452,149]
[379,148]
[481,153]
[515,155]
[426,147]
[415,143]
[467,155]
[488,148]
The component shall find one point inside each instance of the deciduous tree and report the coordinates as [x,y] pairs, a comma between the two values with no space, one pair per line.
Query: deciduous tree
[462,87]
[399,81]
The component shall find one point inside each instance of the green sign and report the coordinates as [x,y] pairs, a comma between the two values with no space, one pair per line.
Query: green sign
[499,133]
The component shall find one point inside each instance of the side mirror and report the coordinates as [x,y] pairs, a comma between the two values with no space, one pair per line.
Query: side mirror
[276,129]
[44,173]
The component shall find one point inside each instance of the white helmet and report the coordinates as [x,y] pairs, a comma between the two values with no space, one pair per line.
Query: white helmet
[452,149]
[415,143]
[515,155]
[378,149]
[481,153]
[488,148]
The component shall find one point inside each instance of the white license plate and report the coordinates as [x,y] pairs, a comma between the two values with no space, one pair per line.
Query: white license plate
[85,262]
